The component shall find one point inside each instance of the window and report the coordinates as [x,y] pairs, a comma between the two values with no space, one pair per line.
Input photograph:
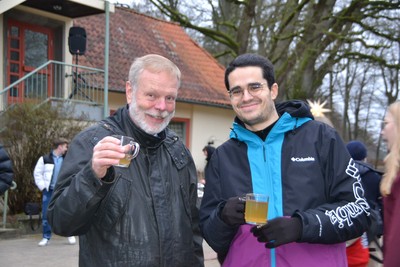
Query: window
[181,128]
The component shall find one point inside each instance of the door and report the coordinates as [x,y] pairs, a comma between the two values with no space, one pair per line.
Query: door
[28,47]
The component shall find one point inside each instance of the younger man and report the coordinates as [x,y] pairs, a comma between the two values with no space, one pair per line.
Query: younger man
[316,200]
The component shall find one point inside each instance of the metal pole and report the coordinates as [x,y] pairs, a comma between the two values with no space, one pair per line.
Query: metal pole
[5,207]
[106,54]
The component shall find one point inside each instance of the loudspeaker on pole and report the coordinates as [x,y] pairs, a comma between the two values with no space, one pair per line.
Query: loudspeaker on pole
[77,41]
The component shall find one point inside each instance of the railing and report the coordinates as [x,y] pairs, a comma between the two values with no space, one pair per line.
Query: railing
[56,80]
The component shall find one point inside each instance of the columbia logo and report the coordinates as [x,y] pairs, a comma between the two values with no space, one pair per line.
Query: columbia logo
[302,159]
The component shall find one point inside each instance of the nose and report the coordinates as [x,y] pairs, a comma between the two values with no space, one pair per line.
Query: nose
[161,104]
[246,95]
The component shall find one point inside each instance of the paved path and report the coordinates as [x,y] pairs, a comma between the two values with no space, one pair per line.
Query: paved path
[24,251]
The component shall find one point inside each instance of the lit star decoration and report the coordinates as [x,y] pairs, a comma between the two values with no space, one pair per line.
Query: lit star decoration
[317,108]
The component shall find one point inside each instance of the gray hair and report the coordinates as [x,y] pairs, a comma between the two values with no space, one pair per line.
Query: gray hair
[153,63]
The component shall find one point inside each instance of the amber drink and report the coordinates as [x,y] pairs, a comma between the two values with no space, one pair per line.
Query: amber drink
[124,162]
[131,150]
[256,208]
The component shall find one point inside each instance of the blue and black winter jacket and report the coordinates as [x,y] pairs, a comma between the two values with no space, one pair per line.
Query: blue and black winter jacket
[305,168]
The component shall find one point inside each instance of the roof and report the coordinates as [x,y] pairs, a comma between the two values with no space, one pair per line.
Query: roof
[133,34]
[67,8]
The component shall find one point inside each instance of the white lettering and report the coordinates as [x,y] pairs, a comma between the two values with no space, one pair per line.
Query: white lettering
[320,225]
[344,213]
[302,159]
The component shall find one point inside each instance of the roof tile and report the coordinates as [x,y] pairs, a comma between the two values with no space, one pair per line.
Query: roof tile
[133,34]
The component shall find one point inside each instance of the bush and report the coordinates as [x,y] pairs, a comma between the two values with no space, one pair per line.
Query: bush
[27,133]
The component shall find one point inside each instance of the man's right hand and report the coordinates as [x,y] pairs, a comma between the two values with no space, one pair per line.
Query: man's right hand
[233,211]
[106,152]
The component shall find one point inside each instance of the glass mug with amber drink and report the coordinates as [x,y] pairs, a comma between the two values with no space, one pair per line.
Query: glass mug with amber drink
[131,150]
[256,211]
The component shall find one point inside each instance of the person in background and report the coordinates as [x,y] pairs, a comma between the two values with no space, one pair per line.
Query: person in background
[208,151]
[45,173]
[316,200]
[358,249]
[370,177]
[145,214]
[390,187]
[6,171]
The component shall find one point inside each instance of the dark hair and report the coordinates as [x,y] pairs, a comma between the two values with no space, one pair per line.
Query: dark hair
[59,141]
[210,150]
[247,60]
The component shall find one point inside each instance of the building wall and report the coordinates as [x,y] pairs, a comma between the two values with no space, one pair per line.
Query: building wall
[116,100]
[210,124]
[207,124]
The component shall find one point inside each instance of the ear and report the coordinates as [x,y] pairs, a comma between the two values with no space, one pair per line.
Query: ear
[128,92]
[274,91]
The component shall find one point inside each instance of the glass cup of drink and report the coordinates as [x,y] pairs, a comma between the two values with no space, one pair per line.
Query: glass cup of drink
[131,150]
[256,211]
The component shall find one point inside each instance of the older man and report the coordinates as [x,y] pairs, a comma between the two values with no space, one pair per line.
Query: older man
[143,215]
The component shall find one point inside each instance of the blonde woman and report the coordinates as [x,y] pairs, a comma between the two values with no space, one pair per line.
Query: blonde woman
[390,187]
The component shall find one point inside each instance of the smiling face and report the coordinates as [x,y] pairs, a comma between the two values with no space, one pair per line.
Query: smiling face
[257,111]
[152,103]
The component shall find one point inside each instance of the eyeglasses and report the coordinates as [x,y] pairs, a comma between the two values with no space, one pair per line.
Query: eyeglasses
[252,88]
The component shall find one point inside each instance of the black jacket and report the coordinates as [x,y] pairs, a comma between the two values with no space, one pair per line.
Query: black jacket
[144,215]
[6,171]
[371,180]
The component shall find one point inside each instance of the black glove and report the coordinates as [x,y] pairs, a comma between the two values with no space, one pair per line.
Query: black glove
[233,211]
[278,231]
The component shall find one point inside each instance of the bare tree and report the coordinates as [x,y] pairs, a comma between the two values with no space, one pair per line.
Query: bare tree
[304,39]
[320,48]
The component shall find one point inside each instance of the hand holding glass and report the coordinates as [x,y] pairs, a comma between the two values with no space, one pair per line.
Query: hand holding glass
[256,211]
[131,150]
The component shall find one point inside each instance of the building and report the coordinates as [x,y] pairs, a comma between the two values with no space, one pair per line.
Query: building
[80,51]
